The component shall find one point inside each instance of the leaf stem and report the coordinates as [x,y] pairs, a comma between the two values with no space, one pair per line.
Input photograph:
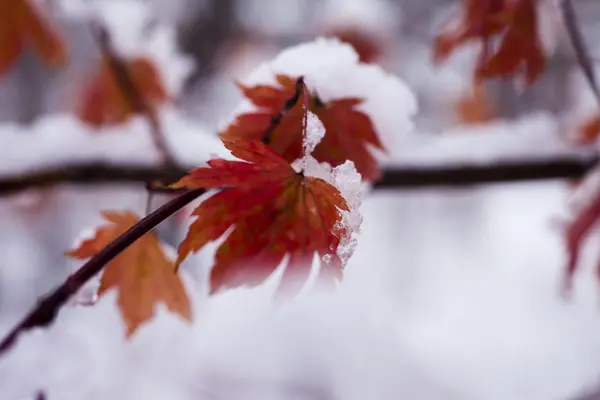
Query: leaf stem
[47,308]
[287,106]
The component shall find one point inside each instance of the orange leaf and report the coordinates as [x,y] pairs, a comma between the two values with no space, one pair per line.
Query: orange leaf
[475,107]
[22,25]
[521,46]
[348,131]
[513,22]
[588,131]
[103,101]
[142,273]
[274,211]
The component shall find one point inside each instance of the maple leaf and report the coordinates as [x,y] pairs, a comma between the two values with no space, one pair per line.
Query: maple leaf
[142,273]
[513,22]
[23,26]
[103,100]
[274,211]
[348,130]
[475,107]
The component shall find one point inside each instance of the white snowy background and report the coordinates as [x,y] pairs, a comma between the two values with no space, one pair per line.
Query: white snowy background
[451,293]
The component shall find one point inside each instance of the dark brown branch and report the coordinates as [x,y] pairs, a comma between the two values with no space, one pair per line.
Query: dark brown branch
[47,308]
[581,52]
[466,175]
[131,93]
[89,174]
[404,177]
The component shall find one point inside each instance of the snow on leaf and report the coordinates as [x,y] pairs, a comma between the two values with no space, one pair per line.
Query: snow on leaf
[315,131]
[348,130]
[270,211]
[513,22]
[103,101]
[23,26]
[143,274]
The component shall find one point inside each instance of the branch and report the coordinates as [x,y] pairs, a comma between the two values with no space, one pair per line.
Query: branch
[131,93]
[89,174]
[581,52]
[47,308]
[475,174]
[405,177]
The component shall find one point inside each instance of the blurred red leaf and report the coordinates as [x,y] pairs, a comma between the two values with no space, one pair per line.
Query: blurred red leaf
[142,273]
[348,131]
[274,211]
[104,102]
[475,107]
[576,233]
[366,45]
[24,26]
[511,22]
[588,131]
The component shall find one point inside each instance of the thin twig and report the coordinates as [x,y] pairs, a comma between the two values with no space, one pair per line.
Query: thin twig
[131,93]
[394,178]
[47,308]
[581,52]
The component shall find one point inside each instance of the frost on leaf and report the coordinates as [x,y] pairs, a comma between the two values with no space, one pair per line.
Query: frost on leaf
[143,274]
[512,23]
[268,210]
[348,130]
[103,100]
[23,26]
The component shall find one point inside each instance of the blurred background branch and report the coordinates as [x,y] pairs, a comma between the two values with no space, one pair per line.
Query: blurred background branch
[400,177]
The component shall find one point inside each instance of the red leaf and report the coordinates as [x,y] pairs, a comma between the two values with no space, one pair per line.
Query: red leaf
[521,46]
[23,25]
[576,233]
[274,211]
[103,102]
[348,131]
[513,22]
